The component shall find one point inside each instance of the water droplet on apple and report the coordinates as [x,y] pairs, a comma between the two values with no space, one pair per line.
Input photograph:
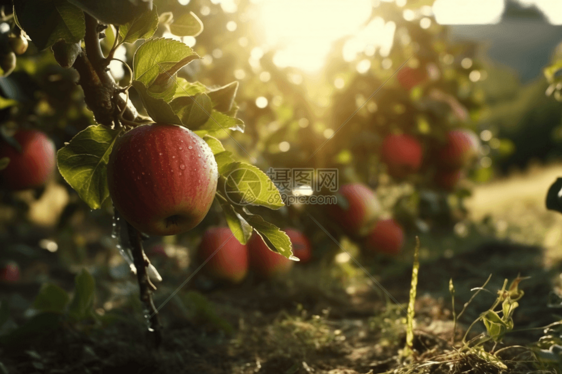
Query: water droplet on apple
[190,147]
[182,166]
[160,153]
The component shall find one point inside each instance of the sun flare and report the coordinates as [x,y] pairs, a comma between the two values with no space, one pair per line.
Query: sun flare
[302,31]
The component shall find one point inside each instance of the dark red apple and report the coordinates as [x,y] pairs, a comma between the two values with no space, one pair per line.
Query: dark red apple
[10,272]
[402,154]
[33,166]
[359,212]
[448,179]
[301,245]
[411,77]
[230,262]
[162,178]
[264,262]
[459,150]
[387,237]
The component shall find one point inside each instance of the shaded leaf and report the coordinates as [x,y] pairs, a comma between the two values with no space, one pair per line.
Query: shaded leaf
[238,225]
[83,163]
[114,12]
[142,27]
[158,109]
[51,298]
[82,303]
[47,21]
[194,111]
[223,97]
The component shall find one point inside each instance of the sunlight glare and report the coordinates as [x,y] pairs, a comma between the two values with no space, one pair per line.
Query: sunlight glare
[552,9]
[303,30]
[468,12]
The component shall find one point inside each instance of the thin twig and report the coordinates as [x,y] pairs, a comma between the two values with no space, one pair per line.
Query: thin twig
[145,286]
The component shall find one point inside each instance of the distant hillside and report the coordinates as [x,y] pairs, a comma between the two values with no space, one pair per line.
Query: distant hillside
[523,40]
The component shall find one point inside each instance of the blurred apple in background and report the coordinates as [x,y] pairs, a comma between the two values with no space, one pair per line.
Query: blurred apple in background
[460,149]
[10,272]
[31,167]
[402,154]
[230,262]
[357,213]
[386,237]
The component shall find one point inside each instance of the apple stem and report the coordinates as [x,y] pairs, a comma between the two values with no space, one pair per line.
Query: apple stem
[145,285]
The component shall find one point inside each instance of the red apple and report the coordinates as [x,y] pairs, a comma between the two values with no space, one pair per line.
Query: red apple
[360,211]
[448,179]
[402,154]
[411,77]
[264,262]
[33,166]
[230,262]
[387,237]
[301,245]
[10,272]
[460,149]
[162,178]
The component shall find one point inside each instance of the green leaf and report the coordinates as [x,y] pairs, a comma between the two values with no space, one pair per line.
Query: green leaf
[215,144]
[188,24]
[495,326]
[219,122]
[82,303]
[4,161]
[245,184]
[51,298]
[273,237]
[185,88]
[47,21]
[222,156]
[142,27]
[114,12]
[158,109]
[156,63]
[194,111]
[223,97]
[83,163]
[238,225]
[554,196]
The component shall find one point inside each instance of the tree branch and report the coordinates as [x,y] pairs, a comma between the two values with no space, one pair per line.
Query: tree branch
[100,90]
[145,286]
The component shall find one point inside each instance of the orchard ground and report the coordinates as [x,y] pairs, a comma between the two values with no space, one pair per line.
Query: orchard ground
[323,319]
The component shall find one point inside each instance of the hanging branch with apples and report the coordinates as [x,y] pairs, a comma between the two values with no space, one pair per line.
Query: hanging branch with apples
[162,170]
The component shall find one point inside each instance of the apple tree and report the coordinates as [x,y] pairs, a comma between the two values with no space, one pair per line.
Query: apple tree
[154,181]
